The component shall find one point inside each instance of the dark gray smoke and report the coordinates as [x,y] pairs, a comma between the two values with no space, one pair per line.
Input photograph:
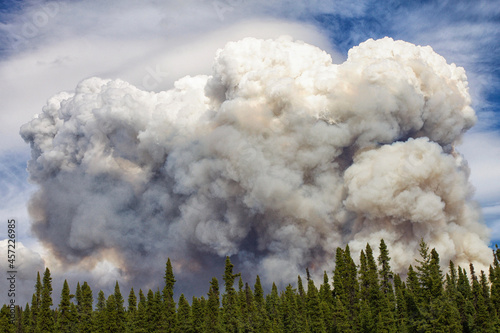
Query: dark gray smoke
[277,158]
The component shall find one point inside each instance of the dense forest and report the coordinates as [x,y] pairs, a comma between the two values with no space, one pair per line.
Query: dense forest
[361,298]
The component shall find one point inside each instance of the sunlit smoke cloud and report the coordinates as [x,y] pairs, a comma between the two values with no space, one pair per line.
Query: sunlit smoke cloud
[277,158]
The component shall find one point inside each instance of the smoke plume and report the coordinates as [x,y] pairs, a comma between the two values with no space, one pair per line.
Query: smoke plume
[277,158]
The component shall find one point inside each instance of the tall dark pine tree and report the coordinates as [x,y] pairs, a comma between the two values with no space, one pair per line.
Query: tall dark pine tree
[131,311]
[212,324]
[289,311]
[263,324]
[27,319]
[65,320]
[168,298]
[111,315]
[120,309]
[230,308]
[99,320]
[272,307]
[140,322]
[198,315]
[185,324]
[45,322]
[36,302]
[369,286]
[315,317]
[385,272]
[85,325]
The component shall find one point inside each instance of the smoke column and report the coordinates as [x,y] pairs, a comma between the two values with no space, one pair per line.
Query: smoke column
[277,158]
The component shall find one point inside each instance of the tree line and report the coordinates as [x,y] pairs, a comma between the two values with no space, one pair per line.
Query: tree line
[367,297]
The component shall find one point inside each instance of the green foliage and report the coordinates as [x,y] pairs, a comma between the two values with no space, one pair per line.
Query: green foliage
[66,318]
[45,321]
[365,298]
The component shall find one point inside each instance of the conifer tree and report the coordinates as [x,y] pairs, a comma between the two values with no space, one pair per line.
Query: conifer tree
[111,315]
[494,275]
[212,323]
[385,273]
[168,298]
[289,311]
[85,325]
[401,316]
[464,302]
[65,318]
[120,309]
[340,318]
[301,304]
[481,319]
[78,298]
[45,322]
[315,320]
[131,311]
[272,307]
[132,301]
[326,301]
[198,315]
[230,310]
[369,285]
[339,274]
[99,320]
[27,319]
[36,302]
[351,284]
[262,318]
[5,320]
[184,316]
[140,322]
[250,319]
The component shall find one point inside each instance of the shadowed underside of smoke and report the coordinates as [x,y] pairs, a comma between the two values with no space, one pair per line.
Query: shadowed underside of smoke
[277,158]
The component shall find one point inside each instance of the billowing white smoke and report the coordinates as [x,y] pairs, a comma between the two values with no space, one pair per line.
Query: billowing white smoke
[278,157]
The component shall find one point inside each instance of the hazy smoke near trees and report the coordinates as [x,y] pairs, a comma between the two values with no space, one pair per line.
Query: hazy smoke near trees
[278,157]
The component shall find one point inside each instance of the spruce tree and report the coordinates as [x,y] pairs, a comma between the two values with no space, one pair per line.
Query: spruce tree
[5,320]
[78,299]
[230,309]
[65,318]
[111,315]
[386,275]
[272,307]
[120,309]
[289,311]
[212,323]
[168,298]
[198,315]
[140,322]
[100,316]
[326,301]
[45,322]
[36,302]
[85,325]
[263,324]
[315,317]
[369,285]
[481,319]
[131,311]
[464,302]
[401,316]
[184,316]
[27,319]
[301,305]
[351,284]
[340,318]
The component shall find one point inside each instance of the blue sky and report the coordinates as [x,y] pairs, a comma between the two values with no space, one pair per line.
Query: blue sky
[49,46]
